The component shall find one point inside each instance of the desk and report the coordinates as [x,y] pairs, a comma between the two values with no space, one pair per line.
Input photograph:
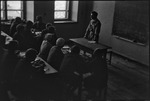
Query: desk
[48,68]
[89,47]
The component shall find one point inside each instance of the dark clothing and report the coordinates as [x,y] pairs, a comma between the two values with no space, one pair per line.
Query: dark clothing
[92,31]
[39,26]
[55,57]
[70,64]
[44,50]
[8,63]
[98,79]
[45,31]
[19,37]
[30,40]
[13,28]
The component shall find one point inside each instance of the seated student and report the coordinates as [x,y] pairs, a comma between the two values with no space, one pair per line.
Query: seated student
[16,21]
[49,29]
[29,37]
[97,75]
[72,66]
[9,61]
[46,46]
[55,55]
[39,25]
[19,36]
[23,74]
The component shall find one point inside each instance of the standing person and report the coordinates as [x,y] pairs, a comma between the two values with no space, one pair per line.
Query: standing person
[93,29]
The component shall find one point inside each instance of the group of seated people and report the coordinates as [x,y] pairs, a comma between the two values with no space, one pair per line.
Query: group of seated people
[23,78]
[25,32]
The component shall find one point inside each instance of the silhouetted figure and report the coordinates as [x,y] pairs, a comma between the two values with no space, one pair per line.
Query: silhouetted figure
[72,67]
[39,25]
[19,36]
[46,45]
[29,37]
[24,74]
[56,55]
[93,29]
[14,24]
[97,75]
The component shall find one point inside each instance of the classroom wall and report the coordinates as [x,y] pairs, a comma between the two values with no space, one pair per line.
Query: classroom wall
[131,50]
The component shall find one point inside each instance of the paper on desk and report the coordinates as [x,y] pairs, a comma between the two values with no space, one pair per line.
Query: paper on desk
[92,41]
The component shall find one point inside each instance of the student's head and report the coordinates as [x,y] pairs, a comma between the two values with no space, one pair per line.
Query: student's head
[20,28]
[48,37]
[75,49]
[99,53]
[48,24]
[94,15]
[51,29]
[60,42]
[30,54]
[39,18]
[13,45]
[29,24]
[18,19]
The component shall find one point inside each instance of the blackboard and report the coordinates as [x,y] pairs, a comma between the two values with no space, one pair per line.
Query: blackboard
[131,20]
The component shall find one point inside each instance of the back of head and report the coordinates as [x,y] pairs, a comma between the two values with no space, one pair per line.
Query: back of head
[48,37]
[60,42]
[75,49]
[30,54]
[29,24]
[51,29]
[18,19]
[39,18]
[99,53]
[13,45]
[48,24]
[20,27]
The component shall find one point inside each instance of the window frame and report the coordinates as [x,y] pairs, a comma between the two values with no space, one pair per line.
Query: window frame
[5,10]
[68,10]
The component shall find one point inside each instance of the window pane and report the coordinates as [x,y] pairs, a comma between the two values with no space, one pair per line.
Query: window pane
[13,4]
[60,15]
[2,15]
[13,14]
[60,5]
[1,5]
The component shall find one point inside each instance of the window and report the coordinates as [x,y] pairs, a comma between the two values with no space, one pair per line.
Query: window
[61,10]
[11,9]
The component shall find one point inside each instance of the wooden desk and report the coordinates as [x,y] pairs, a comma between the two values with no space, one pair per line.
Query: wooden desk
[87,46]
[48,68]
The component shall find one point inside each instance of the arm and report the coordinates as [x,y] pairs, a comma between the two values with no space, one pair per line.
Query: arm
[87,31]
[97,31]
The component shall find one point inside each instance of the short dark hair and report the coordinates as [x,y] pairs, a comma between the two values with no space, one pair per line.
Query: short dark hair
[94,13]
[31,54]
[99,52]
[75,49]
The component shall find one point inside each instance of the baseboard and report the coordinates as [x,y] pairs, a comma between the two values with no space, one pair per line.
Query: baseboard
[128,58]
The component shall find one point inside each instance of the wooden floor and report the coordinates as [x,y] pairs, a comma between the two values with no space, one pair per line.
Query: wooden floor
[128,80]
